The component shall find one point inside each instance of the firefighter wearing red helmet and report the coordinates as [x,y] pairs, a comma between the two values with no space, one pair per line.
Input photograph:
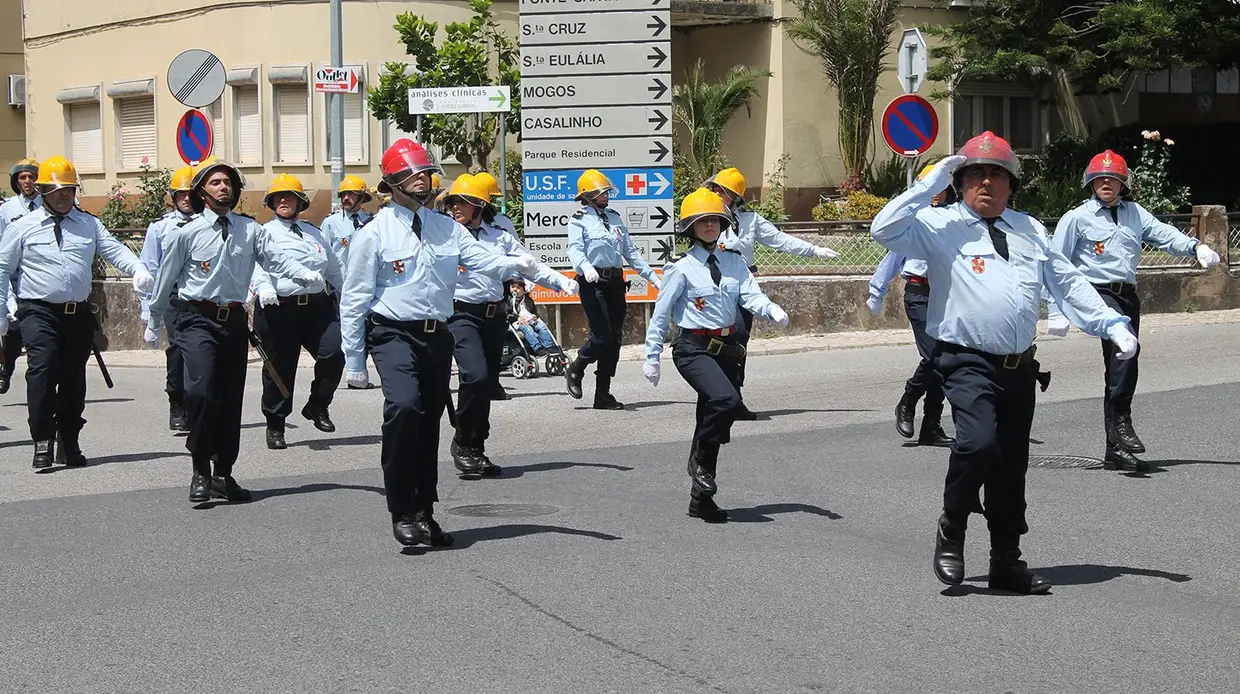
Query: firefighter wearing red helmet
[397,298]
[1103,238]
[988,265]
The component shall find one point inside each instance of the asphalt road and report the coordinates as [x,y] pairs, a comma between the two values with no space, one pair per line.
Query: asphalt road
[578,571]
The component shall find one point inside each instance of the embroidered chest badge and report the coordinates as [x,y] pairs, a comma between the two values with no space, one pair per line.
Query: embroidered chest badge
[700,303]
[205,266]
[398,266]
[1099,248]
[979,265]
[344,242]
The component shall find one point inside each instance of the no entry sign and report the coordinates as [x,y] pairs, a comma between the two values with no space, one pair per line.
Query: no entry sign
[910,125]
[194,137]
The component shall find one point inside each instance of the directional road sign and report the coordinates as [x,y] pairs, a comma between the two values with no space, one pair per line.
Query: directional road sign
[911,62]
[593,27]
[595,153]
[335,80]
[631,184]
[612,90]
[196,78]
[640,216]
[656,249]
[553,123]
[194,137]
[489,99]
[910,125]
[558,6]
[604,59]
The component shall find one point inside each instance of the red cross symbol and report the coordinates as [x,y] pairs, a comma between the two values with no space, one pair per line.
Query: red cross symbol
[635,183]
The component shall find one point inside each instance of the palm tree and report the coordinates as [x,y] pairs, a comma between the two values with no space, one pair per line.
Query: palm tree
[851,38]
[704,108]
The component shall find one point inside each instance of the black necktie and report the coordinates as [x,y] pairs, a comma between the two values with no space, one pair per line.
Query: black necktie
[295,229]
[56,230]
[224,228]
[602,214]
[999,238]
[417,225]
[32,205]
[475,231]
[357,223]
[713,265]
[1115,214]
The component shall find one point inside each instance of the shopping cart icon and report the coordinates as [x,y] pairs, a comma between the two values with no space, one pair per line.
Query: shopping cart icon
[637,217]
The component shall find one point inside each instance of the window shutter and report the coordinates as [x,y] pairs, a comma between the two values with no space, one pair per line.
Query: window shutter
[248,130]
[292,124]
[137,125]
[85,136]
[354,128]
[216,112]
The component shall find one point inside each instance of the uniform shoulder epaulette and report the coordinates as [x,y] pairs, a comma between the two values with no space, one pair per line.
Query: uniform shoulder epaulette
[578,214]
[732,250]
[247,216]
[84,212]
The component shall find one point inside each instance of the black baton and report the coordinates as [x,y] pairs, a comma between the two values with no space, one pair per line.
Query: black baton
[271,368]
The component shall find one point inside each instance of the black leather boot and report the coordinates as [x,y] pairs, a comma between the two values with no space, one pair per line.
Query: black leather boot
[906,410]
[1126,436]
[435,536]
[465,460]
[225,487]
[1119,459]
[704,507]
[1008,572]
[178,421]
[275,438]
[572,377]
[932,434]
[702,460]
[68,452]
[603,399]
[5,378]
[200,488]
[319,417]
[44,454]
[744,414]
[486,467]
[498,393]
[949,550]
[407,530]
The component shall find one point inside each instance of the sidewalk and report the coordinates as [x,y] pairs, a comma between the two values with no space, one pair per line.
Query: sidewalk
[791,344]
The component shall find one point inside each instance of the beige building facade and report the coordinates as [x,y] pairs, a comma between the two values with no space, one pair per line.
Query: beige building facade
[13,74]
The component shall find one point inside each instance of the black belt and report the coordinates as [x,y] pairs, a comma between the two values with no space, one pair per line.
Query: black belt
[488,310]
[610,273]
[221,313]
[1117,287]
[413,326]
[917,285]
[301,299]
[1004,361]
[715,346]
[69,308]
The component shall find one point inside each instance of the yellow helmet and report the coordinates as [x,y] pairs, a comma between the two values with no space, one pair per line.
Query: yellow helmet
[56,173]
[354,184]
[470,189]
[925,171]
[21,167]
[700,204]
[593,181]
[492,185]
[731,180]
[436,181]
[286,183]
[182,180]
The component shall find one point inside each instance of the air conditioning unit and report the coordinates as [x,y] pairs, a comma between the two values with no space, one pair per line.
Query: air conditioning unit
[17,90]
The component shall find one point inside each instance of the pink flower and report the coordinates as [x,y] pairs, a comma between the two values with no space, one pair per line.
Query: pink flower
[1169,142]
[146,160]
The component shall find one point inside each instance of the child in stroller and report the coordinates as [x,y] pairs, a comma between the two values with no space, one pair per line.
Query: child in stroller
[532,337]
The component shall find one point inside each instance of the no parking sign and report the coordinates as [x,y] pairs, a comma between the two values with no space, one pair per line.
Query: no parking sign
[910,125]
[194,137]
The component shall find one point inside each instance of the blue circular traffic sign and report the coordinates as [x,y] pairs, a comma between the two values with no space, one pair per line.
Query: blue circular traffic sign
[194,137]
[910,125]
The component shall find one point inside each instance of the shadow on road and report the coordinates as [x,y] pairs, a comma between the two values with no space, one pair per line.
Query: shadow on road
[326,444]
[759,514]
[514,471]
[260,494]
[766,415]
[635,406]
[471,536]
[1069,575]
[1156,464]
[263,425]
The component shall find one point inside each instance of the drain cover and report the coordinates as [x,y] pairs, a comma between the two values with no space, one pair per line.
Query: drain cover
[504,510]
[1063,462]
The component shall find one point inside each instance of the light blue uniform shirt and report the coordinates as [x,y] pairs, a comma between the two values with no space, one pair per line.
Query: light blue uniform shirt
[16,207]
[204,267]
[474,287]
[312,250]
[591,243]
[980,300]
[891,265]
[396,274]
[153,246]
[752,229]
[58,273]
[1108,251]
[504,222]
[690,298]
[339,227]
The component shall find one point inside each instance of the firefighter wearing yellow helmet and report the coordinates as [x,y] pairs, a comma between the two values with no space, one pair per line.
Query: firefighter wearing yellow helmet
[598,246]
[348,217]
[49,253]
[702,293]
[154,243]
[924,381]
[206,271]
[290,316]
[750,230]
[479,324]
[21,179]
[494,194]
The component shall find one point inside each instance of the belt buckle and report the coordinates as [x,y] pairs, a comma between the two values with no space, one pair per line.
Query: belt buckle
[490,312]
[223,313]
[1117,287]
[303,299]
[71,308]
[1011,361]
[428,326]
[714,347]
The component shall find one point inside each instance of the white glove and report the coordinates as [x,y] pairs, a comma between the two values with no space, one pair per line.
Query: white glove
[778,315]
[657,284]
[309,277]
[267,297]
[143,281]
[150,337]
[1057,324]
[590,274]
[569,286]
[357,379]
[824,252]
[941,175]
[1124,340]
[875,305]
[651,371]
[526,264]
[1206,256]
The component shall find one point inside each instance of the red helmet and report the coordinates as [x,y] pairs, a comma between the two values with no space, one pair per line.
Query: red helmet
[989,148]
[404,159]
[1106,165]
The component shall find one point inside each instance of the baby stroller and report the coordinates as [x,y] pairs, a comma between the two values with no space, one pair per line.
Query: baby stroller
[521,360]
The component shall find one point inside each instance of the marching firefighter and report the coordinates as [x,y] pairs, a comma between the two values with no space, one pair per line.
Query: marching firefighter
[22,179]
[291,316]
[494,194]
[988,264]
[210,261]
[398,293]
[153,246]
[924,380]
[49,252]
[751,229]
[598,245]
[479,324]
[702,293]
[1102,237]
[340,225]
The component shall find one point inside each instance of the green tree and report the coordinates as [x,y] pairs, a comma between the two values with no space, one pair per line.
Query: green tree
[851,39]
[471,54]
[703,109]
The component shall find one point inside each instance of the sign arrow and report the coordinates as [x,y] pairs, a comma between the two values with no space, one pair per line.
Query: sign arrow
[658,119]
[659,184]
[661,217]
[658,88]
[664,248]
[660,150]
[498,99]
[658,26]
[659,57]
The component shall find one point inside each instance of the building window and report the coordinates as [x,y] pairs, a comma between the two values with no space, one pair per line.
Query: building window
[216,113]
[292,123]
[356,125]
[85,136]
[135,132]
[247,126]
[1014,118]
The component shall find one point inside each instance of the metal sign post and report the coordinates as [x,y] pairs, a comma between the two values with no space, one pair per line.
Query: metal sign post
[335,103]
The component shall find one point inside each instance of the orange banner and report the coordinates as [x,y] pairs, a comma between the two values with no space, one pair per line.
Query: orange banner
[640,291]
